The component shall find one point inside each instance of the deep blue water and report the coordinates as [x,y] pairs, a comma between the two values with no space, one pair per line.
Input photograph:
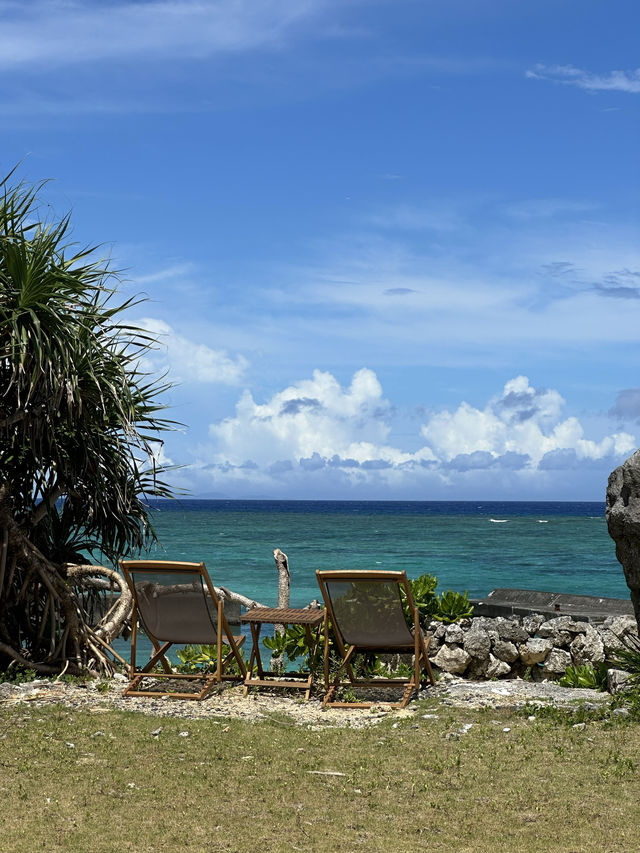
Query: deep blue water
[474,546]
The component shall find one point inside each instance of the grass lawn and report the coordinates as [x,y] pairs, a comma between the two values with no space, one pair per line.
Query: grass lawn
[98,782]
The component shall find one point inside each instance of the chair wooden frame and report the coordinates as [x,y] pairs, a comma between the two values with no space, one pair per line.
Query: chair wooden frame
[221,633]
[416,643]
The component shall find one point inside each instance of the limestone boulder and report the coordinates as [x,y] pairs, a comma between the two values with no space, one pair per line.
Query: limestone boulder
[579,627]
[535,650]
[532,622]
[560,631]
[618,681]
[452,659]
[477,670]
[505,651]
[587,647]
[477,643]
[497,668]
[437,629]
[511,630]
[454,633]
[557,625]
[434,645]
[485,623]
[556,662]
[613,631]
[623,521]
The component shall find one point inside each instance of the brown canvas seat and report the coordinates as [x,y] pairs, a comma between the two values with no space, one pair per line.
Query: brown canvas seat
[176,603]
[367,615]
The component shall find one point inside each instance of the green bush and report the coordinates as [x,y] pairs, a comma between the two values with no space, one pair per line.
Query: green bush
[17,674]
[423,592]
[448,607]
[453,606]
[204,658]
[587,675]
[292,643]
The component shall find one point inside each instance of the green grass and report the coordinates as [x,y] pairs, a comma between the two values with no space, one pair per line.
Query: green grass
[235,786]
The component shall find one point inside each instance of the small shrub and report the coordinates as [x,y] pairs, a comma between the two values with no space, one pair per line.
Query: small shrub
[292,642]
[453,606]
[204,658]
[587,675]
[448,607]
[423,592]
[17,675]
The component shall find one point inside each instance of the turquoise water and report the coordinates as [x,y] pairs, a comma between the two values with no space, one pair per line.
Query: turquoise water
[561,547]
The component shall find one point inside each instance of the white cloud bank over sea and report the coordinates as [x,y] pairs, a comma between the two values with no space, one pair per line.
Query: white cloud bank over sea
[319,437]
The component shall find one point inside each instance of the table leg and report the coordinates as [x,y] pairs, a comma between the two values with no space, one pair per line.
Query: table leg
[255,635]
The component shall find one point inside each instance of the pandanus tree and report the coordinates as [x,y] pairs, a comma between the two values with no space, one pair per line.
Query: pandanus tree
[80,426]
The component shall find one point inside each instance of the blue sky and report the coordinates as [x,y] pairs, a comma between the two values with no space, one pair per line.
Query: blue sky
[390,248]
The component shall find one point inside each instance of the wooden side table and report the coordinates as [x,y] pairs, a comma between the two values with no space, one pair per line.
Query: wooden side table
[259,616]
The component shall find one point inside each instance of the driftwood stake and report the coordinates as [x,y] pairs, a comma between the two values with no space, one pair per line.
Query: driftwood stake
[284,590]
[284,577]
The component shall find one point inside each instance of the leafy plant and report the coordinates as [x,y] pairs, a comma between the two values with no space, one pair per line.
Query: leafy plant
[81,422]
[628,657]
[423,592]
[448,607]
[204,658]
[586,675]
[17,675]
[292,643]
[453,606]
[400,670]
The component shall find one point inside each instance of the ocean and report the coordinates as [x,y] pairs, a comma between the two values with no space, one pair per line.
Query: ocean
[474,546]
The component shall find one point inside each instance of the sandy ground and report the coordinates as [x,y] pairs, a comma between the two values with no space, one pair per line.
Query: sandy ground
[285,707]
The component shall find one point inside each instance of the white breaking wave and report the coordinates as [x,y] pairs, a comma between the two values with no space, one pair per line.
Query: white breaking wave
[498,520]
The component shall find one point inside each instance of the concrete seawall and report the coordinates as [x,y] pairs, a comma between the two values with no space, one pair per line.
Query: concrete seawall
[522,602]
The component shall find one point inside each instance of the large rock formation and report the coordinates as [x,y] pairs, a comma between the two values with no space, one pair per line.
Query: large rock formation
[531,645]
[623,520]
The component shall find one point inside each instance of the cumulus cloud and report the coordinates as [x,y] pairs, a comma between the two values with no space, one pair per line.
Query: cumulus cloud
[316,422]
[318,434]
[521,420]
[190,361]
[614,81]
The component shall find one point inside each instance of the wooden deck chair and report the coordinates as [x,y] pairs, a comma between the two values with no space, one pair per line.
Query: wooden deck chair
[177,603]
[367,614]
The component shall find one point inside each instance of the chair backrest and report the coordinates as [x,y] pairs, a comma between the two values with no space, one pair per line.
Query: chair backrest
[366,608]
[176,602]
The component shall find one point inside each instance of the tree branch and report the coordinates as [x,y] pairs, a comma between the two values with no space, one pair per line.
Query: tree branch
[44,507]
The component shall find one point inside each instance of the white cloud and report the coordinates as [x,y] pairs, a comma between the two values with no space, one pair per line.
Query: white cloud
[312,416]
[69,32]
[614,81]
[486,293]
[189,361]
[168,274]
[521,420]
[319,438]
